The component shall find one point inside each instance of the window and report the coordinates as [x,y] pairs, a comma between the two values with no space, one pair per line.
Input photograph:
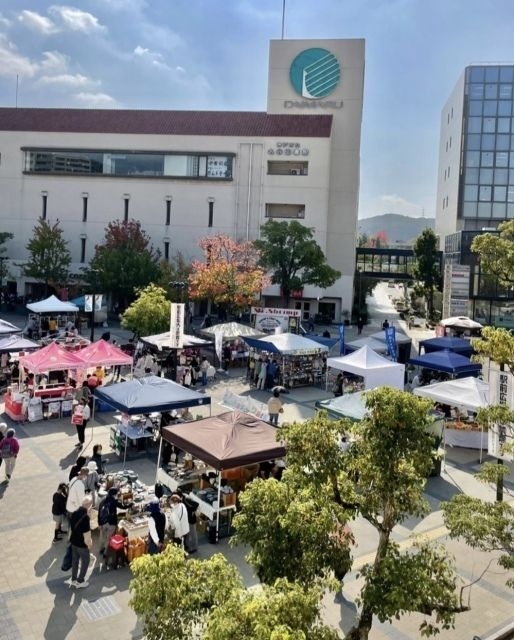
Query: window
[166,250]
[492,74]
[477,74]
[505,91]
[491,91]
[471,176]
[168,210]
[504,108]
[473,159]
[44,203]
[501,176]
[275,210]
[484,194]
[490,107]
[500,194]
[510,193]
[474,142]
[475,107]
[502,159]
[211,212]
[471,192]
[487,159]
[126,200]
[82,249]
[476,91]
[499,209]
[484,210]
[283,168]
[487,142]
[486,176]
[450,142]
[469,210]
[506,74]
[489,125]
[474,125]
[503,142]
[84,207]
[503,125]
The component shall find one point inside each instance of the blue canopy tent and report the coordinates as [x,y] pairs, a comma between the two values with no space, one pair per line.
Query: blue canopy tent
[457,345]
[448,362]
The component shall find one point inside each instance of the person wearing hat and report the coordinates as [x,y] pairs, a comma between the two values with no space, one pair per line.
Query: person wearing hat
[3,431]
[108,518]
[77,491]
[179,518]
[9,449]
[156,527]
[92,480]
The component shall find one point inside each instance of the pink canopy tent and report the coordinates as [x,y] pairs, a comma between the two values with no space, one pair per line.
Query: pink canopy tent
[51,358]
[103,353]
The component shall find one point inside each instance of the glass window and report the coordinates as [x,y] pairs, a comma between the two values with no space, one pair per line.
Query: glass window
[471,176]
[499,209]
[502,159]
[511,176]
[490,107]
[469,210]
[474,142]
[471,192]
[473,159]
[486,176]
[484,210]
[505,91]
[503,125]
[501,176]
[506,74]
[477,74]
[489,125]
[500,194]
[510,210]
[491,91]
[503,142]
[475,107]
[511,155]
[504,108]
[484,194]
[510,194]
[476,91]
[487,158]
[487,142]
[492,74]
[474,125]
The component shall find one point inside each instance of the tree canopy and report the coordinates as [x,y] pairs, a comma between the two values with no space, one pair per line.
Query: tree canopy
[229,276]
[289,251]
[497,344]
[426,267]
[124,262]
[149,313]
[4,237]
[49,256]
[496,253]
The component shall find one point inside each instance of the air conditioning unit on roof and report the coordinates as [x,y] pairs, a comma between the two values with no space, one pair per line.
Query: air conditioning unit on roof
[295,172]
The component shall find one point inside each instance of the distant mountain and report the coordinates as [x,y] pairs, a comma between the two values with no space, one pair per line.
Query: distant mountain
[398,229]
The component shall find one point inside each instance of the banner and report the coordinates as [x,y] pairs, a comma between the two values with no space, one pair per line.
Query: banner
[246,404]
[268,320]
[342,347]
[501,390]
[177,326]
[218,346]
[88,302]
[390,334]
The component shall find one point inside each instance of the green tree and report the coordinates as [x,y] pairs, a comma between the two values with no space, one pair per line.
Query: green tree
[4,271]
[426,268]
[149,313]
[497,344]
[206,599]
[496,253]
[50,258]
[124,262]
[381,478]
[295,259]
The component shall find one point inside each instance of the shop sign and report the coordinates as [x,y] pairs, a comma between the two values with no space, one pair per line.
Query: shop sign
[177,325]
[270,320]
[315,73]
[501,390]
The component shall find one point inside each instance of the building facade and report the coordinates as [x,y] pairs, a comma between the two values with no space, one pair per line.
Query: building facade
[475,190]
[188,175]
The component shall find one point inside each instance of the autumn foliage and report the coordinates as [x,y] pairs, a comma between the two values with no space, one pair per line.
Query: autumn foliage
[229,276]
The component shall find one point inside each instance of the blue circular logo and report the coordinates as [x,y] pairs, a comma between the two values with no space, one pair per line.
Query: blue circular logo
[315,73]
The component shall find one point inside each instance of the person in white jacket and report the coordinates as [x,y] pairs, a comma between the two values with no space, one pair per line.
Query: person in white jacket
[179,518]
[77,491]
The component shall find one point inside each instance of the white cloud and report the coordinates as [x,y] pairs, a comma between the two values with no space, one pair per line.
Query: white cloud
[141,51]
[54,62]
[13,63]
[37,22]
[96,100]
[68,80]
[393,203]
[77,20]
[4,22]
[153,57]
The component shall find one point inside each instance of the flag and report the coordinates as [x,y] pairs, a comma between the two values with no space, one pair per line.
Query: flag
[390,334]
[342,346]
[177,326]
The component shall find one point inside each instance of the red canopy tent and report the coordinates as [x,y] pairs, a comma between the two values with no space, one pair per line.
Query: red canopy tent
[103,353]
[51,358]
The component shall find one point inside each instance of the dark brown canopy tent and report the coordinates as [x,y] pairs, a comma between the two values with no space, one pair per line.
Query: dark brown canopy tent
[229,440]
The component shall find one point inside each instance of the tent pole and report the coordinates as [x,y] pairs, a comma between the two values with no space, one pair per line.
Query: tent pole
[481,434]
[443,466]
[158,458]
[126,447]
[219,507]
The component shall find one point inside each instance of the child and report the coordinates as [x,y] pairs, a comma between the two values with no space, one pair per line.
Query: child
[59,510]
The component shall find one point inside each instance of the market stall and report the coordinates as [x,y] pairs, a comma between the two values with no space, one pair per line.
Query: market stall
[350,405]
[14,344]
[6,328]
[403,343]
[102,353]
[375,370]
[233,334]
[301,357]
[457,345]
[467,395]
[146,395]
[57,310]
[376,345]
[173,360]
[225,442]
[449,362]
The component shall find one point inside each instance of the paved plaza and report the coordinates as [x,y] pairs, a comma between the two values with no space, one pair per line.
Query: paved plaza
[36,601]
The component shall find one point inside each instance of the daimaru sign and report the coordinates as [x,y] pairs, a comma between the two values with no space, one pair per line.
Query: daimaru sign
[314,75]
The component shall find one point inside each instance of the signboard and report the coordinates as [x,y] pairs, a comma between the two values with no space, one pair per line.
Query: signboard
[88,302]
[271,320]
[456,290]
[501,390]
[177,325]
[390,334]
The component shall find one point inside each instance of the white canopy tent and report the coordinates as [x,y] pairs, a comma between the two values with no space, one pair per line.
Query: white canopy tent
[230,330]
[469,393]
[163,341]
[286,344]
[377,345]
[376,370]
[400,337]
[52,305]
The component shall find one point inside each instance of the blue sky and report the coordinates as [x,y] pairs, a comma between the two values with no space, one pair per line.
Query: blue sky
[207,54]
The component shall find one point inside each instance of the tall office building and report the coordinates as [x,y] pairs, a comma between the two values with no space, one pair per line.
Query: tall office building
[475,190]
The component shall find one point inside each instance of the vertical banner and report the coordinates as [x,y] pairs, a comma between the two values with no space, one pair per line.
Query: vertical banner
[342,346]
[218,346]
[177,326]
[390,334]
[501,389]
[88,302]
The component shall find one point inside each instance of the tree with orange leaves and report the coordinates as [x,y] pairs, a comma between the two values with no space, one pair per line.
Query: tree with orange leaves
[230,276]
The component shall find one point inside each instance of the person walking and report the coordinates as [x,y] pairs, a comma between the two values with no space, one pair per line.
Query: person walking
[80,418]
[59,510]
[360,325]
[81,542]
[274,408]
[9,450]
[204,368]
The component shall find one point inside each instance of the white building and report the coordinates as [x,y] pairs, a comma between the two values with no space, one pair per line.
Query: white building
[187,175]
